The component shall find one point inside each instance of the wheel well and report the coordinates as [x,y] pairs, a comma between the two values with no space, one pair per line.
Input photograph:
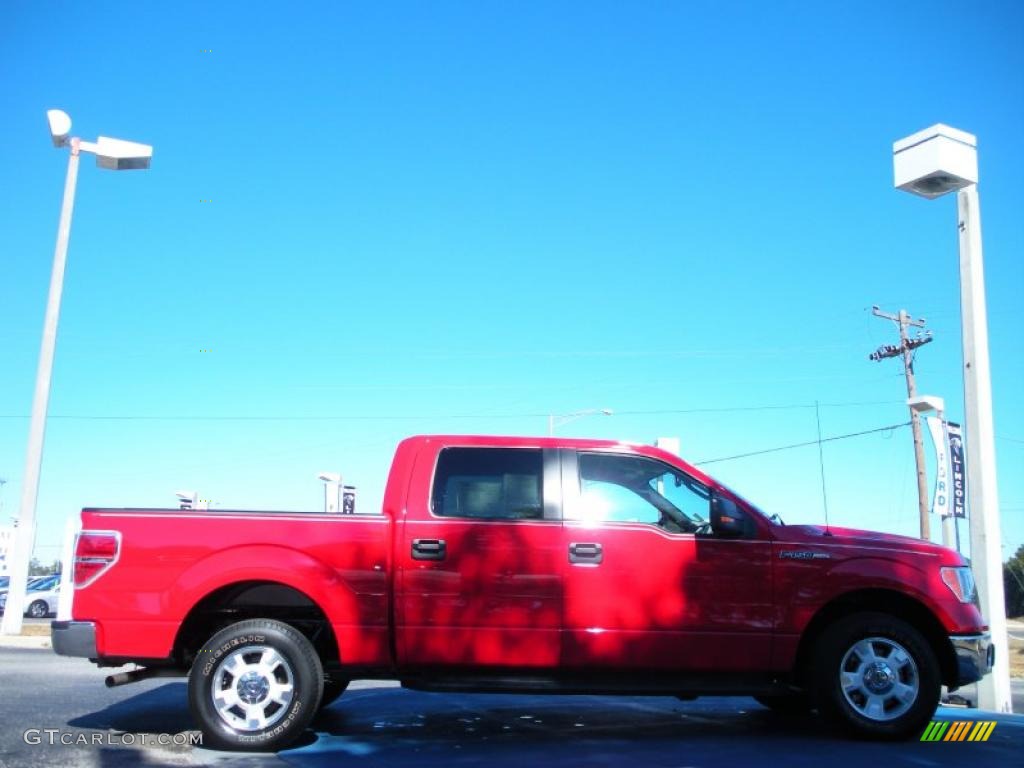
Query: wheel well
[882,601]
[254,600]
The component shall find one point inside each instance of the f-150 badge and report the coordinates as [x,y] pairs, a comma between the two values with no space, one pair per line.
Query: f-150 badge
[795,554]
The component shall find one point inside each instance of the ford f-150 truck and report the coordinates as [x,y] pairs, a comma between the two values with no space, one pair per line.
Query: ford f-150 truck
[516,564]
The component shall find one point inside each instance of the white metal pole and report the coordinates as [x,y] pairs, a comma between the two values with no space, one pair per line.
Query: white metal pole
[24,536]
[67,568]
[948,534]
[982,493]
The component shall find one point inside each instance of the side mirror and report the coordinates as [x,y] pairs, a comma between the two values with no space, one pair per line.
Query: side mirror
[727,520]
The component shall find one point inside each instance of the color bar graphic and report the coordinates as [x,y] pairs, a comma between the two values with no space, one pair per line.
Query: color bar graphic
[958,730]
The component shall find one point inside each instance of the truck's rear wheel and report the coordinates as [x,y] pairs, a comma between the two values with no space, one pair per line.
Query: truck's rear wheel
[255,686]
[876,676]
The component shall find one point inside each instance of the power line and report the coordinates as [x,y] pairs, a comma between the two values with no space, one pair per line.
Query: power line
[802,445]
[398,417]
[737,409]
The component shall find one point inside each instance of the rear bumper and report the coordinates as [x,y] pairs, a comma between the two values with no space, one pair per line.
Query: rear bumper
[74,638]
[975,655]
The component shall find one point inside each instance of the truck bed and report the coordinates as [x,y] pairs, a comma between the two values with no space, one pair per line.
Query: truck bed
[169,560]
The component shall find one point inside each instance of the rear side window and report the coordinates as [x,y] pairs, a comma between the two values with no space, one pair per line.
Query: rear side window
[489,484]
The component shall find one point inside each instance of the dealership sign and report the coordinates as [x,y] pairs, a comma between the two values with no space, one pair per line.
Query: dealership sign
[940,500]
[950,483]
[956,466]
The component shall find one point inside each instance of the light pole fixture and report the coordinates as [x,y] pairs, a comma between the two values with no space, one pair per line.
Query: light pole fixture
[332,492]
[923,404]
[187,499]
[557,420]
[931,163]
[113,154]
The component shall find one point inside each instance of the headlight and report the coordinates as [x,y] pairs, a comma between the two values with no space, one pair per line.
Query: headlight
[960,581]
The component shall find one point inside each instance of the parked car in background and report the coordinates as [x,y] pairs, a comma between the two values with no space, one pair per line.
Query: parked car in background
[41,596]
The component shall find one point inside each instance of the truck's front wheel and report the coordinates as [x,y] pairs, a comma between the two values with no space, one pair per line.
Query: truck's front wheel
[255,686]
[876,676]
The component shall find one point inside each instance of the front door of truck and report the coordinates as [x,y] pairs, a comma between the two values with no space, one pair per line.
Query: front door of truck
[479,560]
[648,584]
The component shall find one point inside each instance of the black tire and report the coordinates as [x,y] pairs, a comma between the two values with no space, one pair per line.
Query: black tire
[238,688]
[786,703]
[332,690]
[876,677]
[38,609]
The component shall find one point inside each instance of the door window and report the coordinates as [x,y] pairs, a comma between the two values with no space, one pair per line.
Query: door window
[489,484]
[636,489]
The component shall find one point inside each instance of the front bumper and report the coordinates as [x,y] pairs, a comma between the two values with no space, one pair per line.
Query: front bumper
[74,638]
[975,655]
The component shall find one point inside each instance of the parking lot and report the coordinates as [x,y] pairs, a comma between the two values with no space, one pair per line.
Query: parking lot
[381,725]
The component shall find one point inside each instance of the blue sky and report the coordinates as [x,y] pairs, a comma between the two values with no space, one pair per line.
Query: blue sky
[461,217]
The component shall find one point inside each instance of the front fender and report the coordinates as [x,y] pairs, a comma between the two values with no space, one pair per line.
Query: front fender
[803,588]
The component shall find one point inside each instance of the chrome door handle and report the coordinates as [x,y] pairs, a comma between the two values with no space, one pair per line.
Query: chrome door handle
[585,553]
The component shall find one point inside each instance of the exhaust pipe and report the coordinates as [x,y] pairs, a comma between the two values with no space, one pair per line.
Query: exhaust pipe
[135,675]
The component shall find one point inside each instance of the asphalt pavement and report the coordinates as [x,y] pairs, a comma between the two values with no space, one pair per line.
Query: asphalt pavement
[382,725]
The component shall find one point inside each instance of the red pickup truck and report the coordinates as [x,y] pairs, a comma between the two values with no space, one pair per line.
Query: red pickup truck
[516,564]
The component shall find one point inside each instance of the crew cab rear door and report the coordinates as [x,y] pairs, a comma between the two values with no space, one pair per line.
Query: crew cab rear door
[479,559]
[644,588]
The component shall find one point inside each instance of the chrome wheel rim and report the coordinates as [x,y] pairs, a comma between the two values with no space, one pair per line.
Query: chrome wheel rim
[37,610]
[879,679]
[252,688]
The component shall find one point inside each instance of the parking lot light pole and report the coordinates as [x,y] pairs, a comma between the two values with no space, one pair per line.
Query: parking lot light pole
[931,163]
[113,154]
[332,492]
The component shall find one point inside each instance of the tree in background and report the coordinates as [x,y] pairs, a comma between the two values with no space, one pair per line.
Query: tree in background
[1013,583]
[35,568]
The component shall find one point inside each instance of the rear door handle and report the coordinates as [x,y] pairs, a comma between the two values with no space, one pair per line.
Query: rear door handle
[585,553]
[429,549]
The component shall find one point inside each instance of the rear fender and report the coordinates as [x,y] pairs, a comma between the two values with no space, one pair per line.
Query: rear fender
[360,625]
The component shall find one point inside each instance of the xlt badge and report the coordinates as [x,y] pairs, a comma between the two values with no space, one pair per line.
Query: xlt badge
[799,554]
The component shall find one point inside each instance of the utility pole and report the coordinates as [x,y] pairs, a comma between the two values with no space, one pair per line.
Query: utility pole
[906,351]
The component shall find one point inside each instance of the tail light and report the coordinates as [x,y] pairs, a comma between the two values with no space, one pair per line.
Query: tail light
[95,552]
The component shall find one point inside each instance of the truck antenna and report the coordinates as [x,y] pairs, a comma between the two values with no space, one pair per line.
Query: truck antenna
[821,463]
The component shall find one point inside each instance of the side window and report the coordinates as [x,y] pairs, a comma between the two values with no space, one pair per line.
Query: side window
[489,484]
[619,488]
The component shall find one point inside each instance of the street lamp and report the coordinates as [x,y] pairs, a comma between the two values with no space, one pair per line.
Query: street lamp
[187,499]
[113,154]
[558,420]
[931,163]
[332,491]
